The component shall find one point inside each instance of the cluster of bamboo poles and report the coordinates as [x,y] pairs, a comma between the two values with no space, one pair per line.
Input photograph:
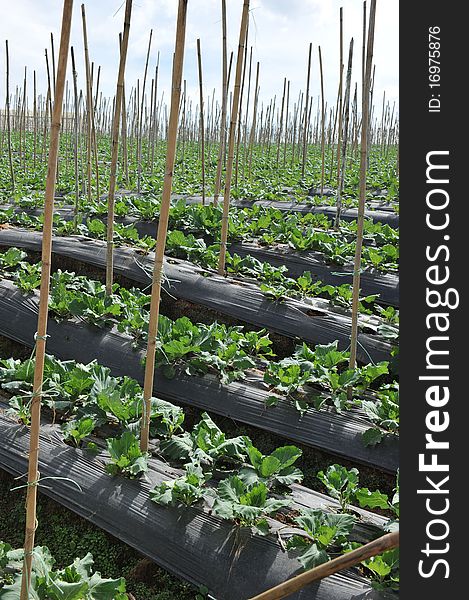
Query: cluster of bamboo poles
[280,130]
[144,123]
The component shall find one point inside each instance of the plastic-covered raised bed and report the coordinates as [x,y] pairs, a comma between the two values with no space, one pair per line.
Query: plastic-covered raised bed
[313,321]
[337,433]
[233,563]
[371,281]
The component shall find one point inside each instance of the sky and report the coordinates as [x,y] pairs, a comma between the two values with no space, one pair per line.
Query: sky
[280,32]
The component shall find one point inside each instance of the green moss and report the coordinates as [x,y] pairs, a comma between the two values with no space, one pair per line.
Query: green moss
[68,536]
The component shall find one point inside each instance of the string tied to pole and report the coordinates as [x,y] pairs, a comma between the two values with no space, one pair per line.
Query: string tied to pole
[40,337]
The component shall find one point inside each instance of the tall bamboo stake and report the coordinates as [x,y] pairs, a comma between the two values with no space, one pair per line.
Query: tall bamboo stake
[7,107]
[323,118]
[231,140]
[361,201]
[155,116]
[286,124]
[115,148]
[34,119]
[221,147]
[247,112]
[89,102]
[124,127]
[201,129]
[21,118]
[75,139]
[340,107]
[355,557]
[240,108]
[53,61]
[280,129]
[303,166]
[345,136]
[139,140]
[183,123]
[363,47]
[252,133]
[163,223]
[33,472]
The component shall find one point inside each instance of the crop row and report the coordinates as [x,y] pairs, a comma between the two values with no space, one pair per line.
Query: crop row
[308,378]
[251,488]
[274,282]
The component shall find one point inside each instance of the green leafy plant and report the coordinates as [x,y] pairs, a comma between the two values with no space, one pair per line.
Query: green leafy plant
[187,489]
[275,469]
[77,430]
[75,582]
[322,531]
[247,506]
[206,445]
[126,456]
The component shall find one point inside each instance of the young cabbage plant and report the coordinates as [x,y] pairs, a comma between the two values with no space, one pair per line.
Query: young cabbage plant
[126,456]
[273,470]
[186,490]
[322,531]
[75,582]
[247,506]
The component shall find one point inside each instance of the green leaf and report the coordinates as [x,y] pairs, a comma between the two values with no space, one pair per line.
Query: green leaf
[348,377]
[289,475]
[261,527]
[313,557]
[231,489]
[256,457]
[272,401]
[368,499]
[269,466]
[372,436]
[286,455]
[64,590]
[256,496]
[378,565]
[105,589]
[178,448]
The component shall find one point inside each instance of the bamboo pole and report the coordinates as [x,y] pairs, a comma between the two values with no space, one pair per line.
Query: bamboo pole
[340,108]
[89,103]
[231,140]
[351,559]
[240,108]
[75,141]
[306,113]
[7,107]
[115,149]
[140,123]
[34,119]
[183,124]
[53,61]
[323,116]
[154,125]
[247,112]
[252,133]
[363,48]
[280,129]
[345,136]
[124,127]
[202,132]
[286,124]
[22,115]
[362,196]
[163,223]
[33,472]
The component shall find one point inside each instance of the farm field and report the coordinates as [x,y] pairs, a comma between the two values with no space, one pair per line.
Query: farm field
[199,327]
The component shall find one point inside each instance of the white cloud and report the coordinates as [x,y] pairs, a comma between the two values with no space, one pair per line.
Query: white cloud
[280,33]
